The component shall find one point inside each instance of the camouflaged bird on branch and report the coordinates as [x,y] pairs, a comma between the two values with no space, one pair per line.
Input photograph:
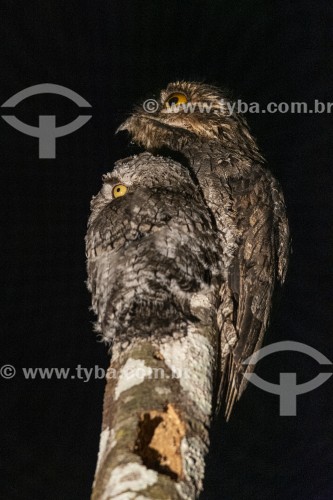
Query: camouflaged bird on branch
[247,207]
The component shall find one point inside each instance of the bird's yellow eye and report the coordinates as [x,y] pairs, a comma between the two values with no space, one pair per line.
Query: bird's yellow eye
[175,99]
[119,190]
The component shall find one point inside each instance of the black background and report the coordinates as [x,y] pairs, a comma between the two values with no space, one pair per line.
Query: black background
[115,53]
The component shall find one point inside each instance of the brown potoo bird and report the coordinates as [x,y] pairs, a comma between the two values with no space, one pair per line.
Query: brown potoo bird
[151,245]
[246,203]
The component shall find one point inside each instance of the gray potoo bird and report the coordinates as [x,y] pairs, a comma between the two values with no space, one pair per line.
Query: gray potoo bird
[151,245]
[246,204]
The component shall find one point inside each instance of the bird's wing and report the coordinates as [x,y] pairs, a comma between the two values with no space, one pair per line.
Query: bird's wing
[261,258]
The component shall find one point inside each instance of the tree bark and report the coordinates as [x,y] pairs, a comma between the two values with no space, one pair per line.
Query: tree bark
[157,413]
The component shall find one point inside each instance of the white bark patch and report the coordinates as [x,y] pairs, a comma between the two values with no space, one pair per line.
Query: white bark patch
[103,445]
[194,451]
[132,373]
[126,479]
[162,390]
[191,358]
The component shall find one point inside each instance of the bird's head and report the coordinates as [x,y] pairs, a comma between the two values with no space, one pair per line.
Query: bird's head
[184,113]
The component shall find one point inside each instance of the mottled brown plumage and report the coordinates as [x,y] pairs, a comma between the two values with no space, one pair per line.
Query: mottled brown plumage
[246,203]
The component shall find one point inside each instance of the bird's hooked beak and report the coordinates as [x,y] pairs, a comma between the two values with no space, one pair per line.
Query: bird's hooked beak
[126,125]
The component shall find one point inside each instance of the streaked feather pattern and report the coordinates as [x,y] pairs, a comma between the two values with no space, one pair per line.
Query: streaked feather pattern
[247,207]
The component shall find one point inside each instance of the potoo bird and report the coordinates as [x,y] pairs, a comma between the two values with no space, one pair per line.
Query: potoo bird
[151,245]
[246,203]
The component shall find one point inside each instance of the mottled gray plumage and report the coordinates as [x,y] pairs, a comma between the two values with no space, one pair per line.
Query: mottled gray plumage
[150,250]
[246,204]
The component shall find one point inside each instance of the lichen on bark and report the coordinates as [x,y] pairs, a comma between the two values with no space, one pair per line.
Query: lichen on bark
[155,427]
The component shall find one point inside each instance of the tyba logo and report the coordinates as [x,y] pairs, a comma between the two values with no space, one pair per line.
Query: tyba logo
[288,389]
[47,132]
